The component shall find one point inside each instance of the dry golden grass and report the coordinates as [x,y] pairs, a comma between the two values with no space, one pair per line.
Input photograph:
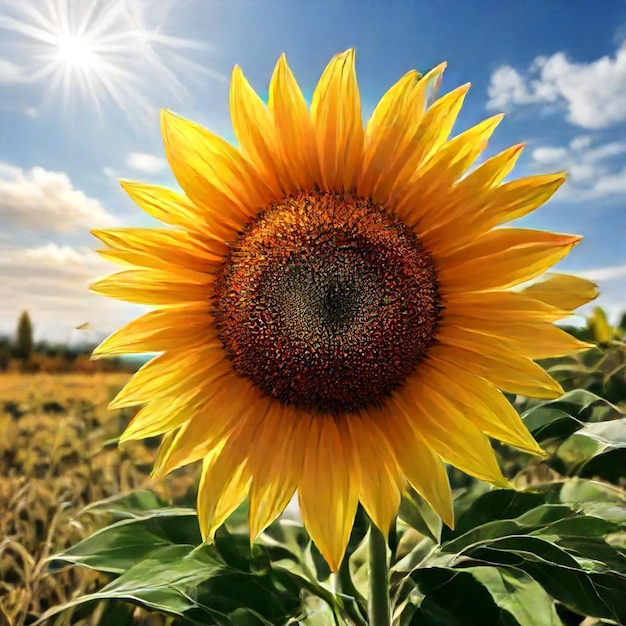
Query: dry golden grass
[54,460]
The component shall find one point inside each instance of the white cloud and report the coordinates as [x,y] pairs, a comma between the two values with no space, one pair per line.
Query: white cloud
[580,142]
[43,257]
[508,86]
[31,112]
[593,93]
[147,163]
[549,154]
[52,283]
[10,73]
[605,151]
[42,200]
[592,172]
[611,272]
[609,185]
[612,298]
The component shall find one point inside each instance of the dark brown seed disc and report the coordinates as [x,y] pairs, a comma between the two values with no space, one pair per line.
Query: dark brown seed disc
[327,302]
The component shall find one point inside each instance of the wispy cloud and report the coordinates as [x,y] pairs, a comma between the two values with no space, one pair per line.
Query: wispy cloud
[612,272]
[611,280]
[147,163]
[594,93]
[44,201]
[52,283]
[11,73]
[594,171]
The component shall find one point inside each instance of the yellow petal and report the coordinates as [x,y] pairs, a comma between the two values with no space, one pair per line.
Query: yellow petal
[534,340]
[158,248]
[420,464]
[224,484]
[276,465]
[473,192]
[234,493]
[482,211]
[388,131]
[562,291]
[436,178]
[142,260]
[294,129]
[177,209]
[442,218]
[375,472]
[449,432]
[432,133]
[393,133]
[504,306]
[502,258]
[166,443]
[158,417]
[485,406]
[213,174]
[491,172]
[254,129]
[176,328]
[149,286]
[336,114]
[225,415]
[518,198]
[170,373]
[507,370]
[601,330]
[328,501]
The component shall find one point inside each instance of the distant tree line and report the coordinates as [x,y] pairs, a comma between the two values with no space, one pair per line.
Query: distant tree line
[21,353]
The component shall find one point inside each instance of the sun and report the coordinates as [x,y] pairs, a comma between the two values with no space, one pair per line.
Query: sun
[108,53]
[75,51]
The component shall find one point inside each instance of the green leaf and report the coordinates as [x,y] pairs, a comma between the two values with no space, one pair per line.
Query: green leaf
[116,612]
[517,593]
[551,520]
[446,595]
[577,491]
[117,547]
[547,423]
[579,526]
[615,383]
[594,554]
[597,450]
[589,496]
[497,596]
[544,514]
[126,505]
[560,418]
[289,546]
[418,514]
[589,593]
[200,586]
[498,504]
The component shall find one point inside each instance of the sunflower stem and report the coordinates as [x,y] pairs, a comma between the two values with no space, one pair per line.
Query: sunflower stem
[378,601]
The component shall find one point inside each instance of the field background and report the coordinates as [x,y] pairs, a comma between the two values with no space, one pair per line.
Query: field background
[58,453]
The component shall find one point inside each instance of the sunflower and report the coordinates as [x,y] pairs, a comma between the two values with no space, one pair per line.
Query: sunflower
[334,306]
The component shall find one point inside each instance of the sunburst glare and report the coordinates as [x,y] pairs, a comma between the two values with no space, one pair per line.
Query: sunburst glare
[101,52]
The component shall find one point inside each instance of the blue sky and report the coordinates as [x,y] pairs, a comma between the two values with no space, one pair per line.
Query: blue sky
[81,84]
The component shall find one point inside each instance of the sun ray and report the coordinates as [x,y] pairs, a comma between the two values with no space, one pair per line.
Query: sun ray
[102,52]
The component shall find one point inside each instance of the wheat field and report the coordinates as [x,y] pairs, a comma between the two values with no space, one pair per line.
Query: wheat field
[58,453]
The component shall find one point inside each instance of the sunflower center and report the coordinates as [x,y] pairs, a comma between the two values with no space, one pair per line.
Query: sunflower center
[327,302]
